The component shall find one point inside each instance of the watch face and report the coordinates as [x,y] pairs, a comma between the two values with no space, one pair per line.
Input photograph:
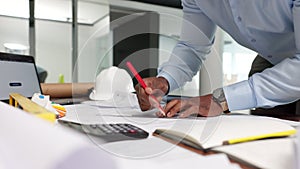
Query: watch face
[219,95]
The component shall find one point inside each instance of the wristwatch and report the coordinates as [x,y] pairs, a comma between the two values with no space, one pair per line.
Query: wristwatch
[219,97]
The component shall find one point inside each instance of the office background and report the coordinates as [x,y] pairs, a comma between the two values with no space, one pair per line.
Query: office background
[100,25]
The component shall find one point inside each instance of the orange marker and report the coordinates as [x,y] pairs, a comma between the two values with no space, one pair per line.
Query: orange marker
[60,110]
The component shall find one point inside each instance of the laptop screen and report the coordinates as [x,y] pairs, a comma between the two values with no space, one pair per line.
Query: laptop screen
[18,75]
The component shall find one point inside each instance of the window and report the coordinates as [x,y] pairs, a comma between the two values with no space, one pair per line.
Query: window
[237,61]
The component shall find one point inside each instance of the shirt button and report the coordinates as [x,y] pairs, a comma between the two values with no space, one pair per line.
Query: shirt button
[239,18]
[253,40]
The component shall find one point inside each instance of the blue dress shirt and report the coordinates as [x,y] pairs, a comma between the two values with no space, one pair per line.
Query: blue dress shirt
[269,27]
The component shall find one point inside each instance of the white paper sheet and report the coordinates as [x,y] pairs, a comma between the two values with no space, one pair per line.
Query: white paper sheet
[29,142]
[153,153]
[276,152]
[119,100]
[267,154]
[149,153]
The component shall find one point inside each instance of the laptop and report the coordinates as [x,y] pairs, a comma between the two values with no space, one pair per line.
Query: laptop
[18,74]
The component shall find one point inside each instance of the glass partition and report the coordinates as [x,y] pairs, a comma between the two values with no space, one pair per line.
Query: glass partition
[53,31]
[237,61]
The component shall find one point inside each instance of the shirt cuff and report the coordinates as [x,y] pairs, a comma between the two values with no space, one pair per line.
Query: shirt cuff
[172,83]
[240,96]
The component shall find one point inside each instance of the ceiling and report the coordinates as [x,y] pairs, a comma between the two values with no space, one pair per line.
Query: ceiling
[55,10]
[169,3]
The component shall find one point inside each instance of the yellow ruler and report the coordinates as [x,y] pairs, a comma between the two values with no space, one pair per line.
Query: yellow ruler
[17,100]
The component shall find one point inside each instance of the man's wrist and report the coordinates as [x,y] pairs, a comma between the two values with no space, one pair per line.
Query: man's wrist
[219,97]
[166,86]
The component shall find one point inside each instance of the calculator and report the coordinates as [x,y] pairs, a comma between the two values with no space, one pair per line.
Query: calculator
[109,132]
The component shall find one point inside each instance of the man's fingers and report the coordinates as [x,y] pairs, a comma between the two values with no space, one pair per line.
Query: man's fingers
[173,107]
[158,114]
[148,90]
[189,111]
[143,98]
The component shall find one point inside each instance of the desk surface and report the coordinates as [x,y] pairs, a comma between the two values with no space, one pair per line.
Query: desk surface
[284,116]
[241,164]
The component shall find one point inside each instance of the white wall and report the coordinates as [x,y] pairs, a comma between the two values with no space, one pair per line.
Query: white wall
[13,31]
[95,52]
[54,47]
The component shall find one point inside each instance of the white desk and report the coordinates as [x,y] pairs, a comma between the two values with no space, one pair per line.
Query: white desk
[153,146]
[149,153]
[34,143]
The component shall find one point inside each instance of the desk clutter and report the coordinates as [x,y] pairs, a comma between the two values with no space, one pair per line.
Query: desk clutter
[44,101]
[39,105]
[274,153]
[266,142]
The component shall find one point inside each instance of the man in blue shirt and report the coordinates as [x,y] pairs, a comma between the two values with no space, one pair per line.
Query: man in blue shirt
[269,27]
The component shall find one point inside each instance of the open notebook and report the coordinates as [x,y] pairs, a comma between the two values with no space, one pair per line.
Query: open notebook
[222,130]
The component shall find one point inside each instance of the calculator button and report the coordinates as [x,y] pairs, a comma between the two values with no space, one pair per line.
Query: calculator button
[93,126]
[109,132]
[132,131]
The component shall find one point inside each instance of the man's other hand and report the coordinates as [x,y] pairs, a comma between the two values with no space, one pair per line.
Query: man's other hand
[201,106]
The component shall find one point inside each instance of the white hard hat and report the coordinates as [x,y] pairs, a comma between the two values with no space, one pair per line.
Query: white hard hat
[109,81]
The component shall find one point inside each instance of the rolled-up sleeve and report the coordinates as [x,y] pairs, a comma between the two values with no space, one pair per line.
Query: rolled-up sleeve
[196,39]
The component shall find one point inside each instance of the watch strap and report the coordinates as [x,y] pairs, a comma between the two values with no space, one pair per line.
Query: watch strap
[219,97]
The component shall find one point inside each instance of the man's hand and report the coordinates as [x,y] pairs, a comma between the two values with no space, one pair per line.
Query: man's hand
[157,86]
[202,105]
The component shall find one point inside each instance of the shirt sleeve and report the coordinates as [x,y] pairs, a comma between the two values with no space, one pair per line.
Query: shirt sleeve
[274,86]
[197,37]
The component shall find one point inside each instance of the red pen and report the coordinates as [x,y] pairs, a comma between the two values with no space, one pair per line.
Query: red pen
[143,84]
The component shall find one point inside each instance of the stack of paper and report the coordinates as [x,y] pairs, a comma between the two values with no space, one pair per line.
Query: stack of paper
[119,100]
[85,113]
[267,154]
